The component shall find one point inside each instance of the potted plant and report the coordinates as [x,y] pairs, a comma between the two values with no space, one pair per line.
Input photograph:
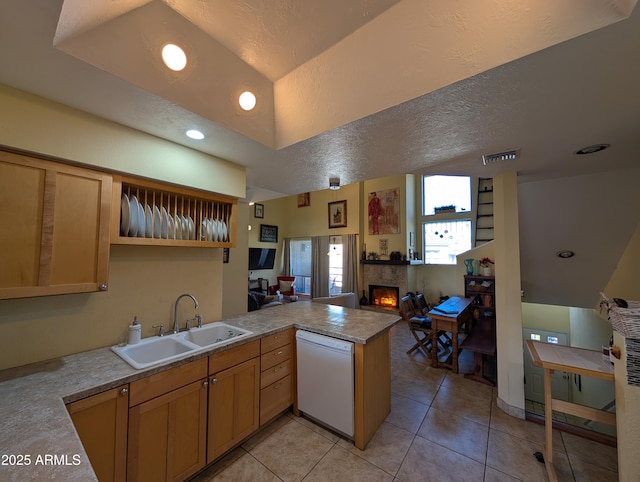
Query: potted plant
[485,264]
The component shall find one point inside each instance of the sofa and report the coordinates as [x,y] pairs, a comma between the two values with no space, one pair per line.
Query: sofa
[347,300]
[258,301]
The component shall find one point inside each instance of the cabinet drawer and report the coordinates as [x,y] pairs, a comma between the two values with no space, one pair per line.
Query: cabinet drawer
[276,340]
[275,357]
[275,398]
[267,377]
[227,359]
[160,383]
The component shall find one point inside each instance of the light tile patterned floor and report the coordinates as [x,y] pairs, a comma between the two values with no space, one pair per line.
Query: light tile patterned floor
[442,427]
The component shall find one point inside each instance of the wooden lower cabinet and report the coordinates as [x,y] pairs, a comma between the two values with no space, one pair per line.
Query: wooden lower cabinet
[276,378]
[233,406]
[101,423]
[167,433]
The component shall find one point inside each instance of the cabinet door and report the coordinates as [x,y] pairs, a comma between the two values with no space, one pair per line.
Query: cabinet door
[55,222]
[233,406]
[167,435]
[101,423]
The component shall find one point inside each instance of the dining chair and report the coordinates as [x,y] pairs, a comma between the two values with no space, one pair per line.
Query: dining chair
[417,325]
[423,309]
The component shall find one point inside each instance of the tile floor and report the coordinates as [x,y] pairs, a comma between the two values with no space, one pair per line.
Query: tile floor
[442,427]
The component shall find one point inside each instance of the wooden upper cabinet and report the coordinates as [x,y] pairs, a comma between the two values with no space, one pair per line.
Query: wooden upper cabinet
[150,213]
[55,227]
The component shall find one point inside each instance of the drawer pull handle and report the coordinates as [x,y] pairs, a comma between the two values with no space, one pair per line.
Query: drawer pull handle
[279,353]
[214,380]
[205,384]
[275,387]
[124,391]
[277,369]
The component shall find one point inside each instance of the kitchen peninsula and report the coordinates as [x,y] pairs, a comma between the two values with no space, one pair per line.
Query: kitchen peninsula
[39,440]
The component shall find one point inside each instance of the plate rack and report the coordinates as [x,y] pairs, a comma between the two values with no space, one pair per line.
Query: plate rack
[150,213]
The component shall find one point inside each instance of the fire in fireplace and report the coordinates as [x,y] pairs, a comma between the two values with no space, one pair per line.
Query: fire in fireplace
[384,296]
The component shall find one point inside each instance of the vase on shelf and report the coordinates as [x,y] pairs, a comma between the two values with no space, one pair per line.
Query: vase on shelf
[469,265]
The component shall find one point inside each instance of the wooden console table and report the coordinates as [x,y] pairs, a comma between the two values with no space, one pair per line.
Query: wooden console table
[569,359]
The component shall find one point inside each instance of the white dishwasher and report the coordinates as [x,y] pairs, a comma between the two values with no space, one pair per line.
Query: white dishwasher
[326,380]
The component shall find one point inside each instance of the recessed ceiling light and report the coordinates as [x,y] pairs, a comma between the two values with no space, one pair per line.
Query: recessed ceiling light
[174,57]
[247,100]
[592,149]
[195,134]
[565,253]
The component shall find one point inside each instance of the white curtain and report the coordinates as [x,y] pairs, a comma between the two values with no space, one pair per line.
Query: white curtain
[319,266]
[349,263]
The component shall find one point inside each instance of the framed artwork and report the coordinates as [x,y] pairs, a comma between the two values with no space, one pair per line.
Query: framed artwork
[225,255]
[338,214]
[384,212]
[268,234]
[304,199]
[258,210]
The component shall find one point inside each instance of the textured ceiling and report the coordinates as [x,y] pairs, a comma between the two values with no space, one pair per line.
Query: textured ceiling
[358,89]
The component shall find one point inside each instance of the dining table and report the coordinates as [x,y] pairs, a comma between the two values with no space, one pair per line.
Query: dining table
[450,316]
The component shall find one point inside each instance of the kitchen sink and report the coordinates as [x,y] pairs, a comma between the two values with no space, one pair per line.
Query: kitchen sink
[217,334]
[152,351]
[155,350]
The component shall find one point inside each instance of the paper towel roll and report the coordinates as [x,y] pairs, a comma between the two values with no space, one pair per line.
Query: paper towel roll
[135,332]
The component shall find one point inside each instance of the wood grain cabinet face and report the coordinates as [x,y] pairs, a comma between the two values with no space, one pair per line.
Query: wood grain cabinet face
[55,220]
[167,433]
[101,423]
[276,377]
[233,406]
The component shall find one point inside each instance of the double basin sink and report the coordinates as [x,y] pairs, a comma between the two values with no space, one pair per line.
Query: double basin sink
[160,349]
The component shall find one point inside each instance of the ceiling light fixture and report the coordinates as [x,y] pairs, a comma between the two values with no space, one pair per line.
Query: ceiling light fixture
[592,149]
[565,254]
[247,100]
[195,134]
[174,57]
[334,183]
[500,156]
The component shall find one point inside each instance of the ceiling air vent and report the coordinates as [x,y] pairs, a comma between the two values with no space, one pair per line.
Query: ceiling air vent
[499,157]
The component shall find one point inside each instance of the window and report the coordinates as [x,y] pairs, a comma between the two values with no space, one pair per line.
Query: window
[300,253]
[443,240]
[335,266]
[446,194]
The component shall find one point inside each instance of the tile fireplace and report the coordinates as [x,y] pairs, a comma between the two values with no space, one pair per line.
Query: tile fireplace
[384,296]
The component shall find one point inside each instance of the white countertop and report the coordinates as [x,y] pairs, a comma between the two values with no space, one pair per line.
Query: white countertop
[34,421]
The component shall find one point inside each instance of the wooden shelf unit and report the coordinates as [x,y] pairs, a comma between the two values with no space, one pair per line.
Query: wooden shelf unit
[484,298]
[196,207]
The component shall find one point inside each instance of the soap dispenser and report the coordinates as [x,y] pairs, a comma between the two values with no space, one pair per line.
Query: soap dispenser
[135,331]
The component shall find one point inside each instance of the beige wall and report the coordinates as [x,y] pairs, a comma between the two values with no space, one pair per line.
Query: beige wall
[624,284]
[38,125]
[508,305]
[143,281]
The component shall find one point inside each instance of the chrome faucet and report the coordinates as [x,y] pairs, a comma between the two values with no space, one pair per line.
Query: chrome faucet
[176,328]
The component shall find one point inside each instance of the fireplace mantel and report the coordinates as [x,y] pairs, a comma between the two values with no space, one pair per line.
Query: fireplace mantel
[404,262]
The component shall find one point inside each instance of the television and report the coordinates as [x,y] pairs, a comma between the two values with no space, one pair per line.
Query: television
[261,258]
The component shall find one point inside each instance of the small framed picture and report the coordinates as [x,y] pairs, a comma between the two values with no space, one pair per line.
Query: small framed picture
[258,210]
[268,234]
[338,214]
[304,199]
